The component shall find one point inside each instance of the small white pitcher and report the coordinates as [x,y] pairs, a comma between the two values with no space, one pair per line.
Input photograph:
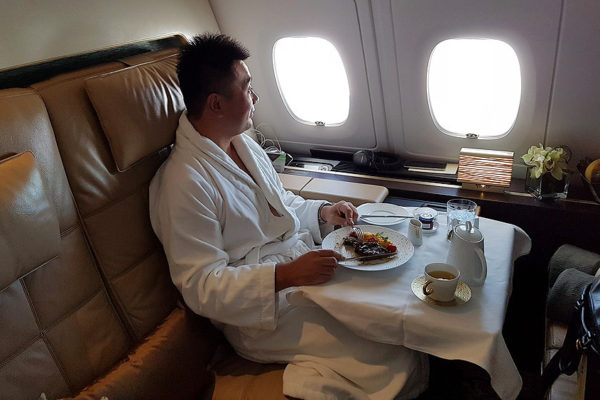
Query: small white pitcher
[466,254]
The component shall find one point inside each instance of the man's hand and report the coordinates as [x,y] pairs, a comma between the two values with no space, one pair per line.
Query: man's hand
[341,213]
[312,268]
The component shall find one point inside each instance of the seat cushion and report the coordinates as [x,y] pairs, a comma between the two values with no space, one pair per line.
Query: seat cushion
[29,231]
[129,254]
[138,108]
[29,239]
[264,386]
[240,379]
[58,329]
[169,364]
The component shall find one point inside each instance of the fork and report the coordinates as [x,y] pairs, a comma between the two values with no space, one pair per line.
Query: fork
[359,232]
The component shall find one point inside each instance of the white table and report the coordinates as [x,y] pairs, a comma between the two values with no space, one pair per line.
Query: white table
[380,305]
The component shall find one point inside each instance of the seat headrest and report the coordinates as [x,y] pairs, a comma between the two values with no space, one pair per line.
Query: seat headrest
[29,231]
[138,108]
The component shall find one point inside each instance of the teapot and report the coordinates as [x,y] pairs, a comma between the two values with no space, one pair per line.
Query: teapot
[466,253]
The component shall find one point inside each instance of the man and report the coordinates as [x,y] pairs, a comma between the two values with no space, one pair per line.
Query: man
[237,242]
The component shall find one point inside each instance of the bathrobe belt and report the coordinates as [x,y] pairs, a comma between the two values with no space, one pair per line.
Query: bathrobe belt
[280,248]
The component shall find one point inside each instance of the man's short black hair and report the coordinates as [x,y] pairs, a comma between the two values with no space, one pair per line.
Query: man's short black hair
[205,67]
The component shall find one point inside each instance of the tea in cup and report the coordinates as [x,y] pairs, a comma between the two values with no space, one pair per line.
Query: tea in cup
[442,280]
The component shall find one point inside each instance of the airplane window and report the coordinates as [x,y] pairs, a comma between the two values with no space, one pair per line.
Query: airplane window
[474,87]
[312,80]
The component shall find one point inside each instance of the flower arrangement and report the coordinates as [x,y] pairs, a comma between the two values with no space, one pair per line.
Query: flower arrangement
[542,159]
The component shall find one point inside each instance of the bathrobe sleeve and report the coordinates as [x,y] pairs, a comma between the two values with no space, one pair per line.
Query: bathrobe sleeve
[306,211]
[188,225]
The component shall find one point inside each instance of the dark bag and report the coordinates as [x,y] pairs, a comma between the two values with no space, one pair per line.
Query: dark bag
[583,335]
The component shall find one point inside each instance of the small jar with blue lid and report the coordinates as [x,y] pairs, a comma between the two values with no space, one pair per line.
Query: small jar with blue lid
[427,216]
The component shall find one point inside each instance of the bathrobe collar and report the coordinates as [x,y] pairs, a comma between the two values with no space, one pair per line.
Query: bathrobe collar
[253,157]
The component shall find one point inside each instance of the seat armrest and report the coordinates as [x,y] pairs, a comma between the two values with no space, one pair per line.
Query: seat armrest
[333,191]
[294,183]
[569,256]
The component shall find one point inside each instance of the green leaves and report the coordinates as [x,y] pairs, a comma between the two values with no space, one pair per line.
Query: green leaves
[379,235]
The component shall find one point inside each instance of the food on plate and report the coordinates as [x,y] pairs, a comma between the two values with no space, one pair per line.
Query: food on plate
[371,244]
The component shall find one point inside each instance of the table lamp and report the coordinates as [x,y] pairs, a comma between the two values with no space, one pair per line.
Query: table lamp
[485,170]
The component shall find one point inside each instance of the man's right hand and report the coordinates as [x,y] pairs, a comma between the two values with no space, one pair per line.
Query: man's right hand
[312,268]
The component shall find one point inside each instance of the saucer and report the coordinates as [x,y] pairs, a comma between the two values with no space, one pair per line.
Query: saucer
[461,295]
[432,230]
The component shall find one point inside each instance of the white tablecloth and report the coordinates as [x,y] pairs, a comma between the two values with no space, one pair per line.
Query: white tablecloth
[381,306]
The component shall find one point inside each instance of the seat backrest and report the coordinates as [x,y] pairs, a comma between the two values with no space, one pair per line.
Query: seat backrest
[58,327]
[114,204]
[87,303]
[114,124]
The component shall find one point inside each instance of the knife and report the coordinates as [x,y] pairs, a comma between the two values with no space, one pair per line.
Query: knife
[372,257]
[385,216]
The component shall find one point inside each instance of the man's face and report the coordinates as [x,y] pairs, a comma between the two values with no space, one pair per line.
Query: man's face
[240,104]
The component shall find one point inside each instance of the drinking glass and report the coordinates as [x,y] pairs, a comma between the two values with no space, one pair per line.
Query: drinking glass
[459,211]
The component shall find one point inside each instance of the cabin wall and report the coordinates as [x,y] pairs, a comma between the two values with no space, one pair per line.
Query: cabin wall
[574,117]
[258,24]
[35,30]
[529,27]
[385,45]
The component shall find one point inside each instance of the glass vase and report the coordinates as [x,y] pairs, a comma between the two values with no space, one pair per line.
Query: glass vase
[547,186]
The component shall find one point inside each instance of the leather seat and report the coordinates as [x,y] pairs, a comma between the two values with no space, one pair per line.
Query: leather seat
[88,307]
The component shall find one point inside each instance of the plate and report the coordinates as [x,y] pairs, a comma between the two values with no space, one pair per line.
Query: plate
[404,247]
[461,295]
[382,209]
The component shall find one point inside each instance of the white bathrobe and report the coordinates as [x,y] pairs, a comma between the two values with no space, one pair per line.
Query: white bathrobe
[222,243]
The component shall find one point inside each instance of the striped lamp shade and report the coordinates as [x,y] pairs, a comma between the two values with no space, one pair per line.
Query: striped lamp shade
[481,169]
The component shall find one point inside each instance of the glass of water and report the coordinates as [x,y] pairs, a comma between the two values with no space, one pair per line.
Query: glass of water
[459,211]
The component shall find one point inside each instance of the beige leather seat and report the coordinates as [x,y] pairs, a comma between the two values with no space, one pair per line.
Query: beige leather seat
[88,307]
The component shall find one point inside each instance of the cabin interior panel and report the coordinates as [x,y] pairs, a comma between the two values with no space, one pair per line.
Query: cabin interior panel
[337,21]
[574,119]
[385,46]
[60,28]
[419,26]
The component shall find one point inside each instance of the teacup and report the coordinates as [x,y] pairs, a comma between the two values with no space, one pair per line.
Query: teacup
[441,283]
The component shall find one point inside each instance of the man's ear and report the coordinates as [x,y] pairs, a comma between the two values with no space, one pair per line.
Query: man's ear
[214,103]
